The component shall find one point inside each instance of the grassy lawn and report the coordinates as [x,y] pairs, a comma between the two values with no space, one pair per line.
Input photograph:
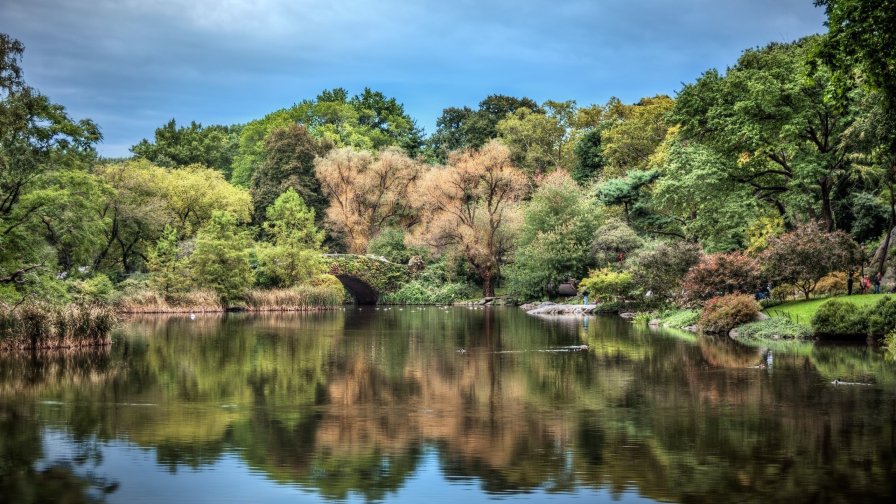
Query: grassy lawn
[802,311]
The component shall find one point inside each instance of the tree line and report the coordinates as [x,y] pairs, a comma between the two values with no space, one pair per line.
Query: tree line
[512,195]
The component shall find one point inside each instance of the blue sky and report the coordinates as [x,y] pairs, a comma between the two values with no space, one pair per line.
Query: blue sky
[130,65]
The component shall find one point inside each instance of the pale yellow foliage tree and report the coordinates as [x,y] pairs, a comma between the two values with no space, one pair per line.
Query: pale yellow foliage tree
[367,192]
[472,203]
[194,192]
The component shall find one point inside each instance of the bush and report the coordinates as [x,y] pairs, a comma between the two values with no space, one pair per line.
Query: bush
[722,314]
[660,267]
[837,318]
[721,274]
[419,292]
[604,283]
[832,285]
[882,317]
[774,329]
[97,289]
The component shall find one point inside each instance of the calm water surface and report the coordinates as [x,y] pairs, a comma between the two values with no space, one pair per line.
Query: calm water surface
[436,405]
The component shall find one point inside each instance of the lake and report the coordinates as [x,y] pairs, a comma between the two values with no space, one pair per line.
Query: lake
[443,405]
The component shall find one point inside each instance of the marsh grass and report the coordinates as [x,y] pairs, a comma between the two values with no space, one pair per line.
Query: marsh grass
[43,326]
[298,298]
[149,301]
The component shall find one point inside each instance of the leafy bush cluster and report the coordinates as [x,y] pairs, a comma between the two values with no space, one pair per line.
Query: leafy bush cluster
[842,319]
[418,292]
[724,313]
[720,274]
[606,284]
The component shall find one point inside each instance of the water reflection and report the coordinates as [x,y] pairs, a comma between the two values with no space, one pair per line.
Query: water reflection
[364,403]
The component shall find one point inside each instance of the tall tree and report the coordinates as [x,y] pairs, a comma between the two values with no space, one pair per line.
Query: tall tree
[769,117]
[289,163]
[368,121]
[540,142]
[366,192]
[558,226]
[861,45]
[633,135]
[472,204]
[37,139]
[212,146]
[293,254]
[464,128]
[220,259]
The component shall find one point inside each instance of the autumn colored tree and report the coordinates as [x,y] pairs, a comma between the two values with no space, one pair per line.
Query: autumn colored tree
[471,204]
[366,192]
[722,274]
[805,255]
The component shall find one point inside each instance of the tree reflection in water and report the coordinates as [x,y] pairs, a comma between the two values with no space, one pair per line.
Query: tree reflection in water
[349,402]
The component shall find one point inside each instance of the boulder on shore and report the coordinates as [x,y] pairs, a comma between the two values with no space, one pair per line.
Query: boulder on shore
[561,309]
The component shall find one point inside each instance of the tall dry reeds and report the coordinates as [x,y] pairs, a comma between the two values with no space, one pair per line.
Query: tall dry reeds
[298,298]
[150,301]
[38,325]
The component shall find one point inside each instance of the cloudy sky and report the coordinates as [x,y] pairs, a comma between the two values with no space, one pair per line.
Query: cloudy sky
[130,65]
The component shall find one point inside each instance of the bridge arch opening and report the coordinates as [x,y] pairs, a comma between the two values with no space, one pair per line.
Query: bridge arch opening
[360,290]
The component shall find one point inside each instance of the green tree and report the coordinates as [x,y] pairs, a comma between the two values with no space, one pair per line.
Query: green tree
[590,160]
[294,254]
[220,258]
[553,245]
[289,163]
[628,141]
[38,140]
[626,191]
[464,128]
[540,142]
[700,201]
[614,241]
[769,118]
[660,266]
[389,243]
[367,121]
[211,146]
[166,269]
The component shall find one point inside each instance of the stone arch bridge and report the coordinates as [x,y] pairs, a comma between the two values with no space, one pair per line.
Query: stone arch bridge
[365,277]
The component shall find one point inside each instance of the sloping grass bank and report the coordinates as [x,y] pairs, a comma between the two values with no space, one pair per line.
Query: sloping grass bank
[802,312]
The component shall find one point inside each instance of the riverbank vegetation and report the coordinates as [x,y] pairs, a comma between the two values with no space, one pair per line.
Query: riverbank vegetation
[774,179]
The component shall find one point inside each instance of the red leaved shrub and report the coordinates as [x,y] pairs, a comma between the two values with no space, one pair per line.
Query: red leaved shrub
[722,274]
[722,314]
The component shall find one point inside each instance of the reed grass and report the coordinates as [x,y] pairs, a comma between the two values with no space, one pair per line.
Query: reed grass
[298,298]
[150,301]
[35,325]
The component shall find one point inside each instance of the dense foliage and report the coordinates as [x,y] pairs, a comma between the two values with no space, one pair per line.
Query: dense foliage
[780,170]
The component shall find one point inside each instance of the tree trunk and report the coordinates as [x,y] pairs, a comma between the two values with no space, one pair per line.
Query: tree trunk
[884,248]
[488,288]
[827,212]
